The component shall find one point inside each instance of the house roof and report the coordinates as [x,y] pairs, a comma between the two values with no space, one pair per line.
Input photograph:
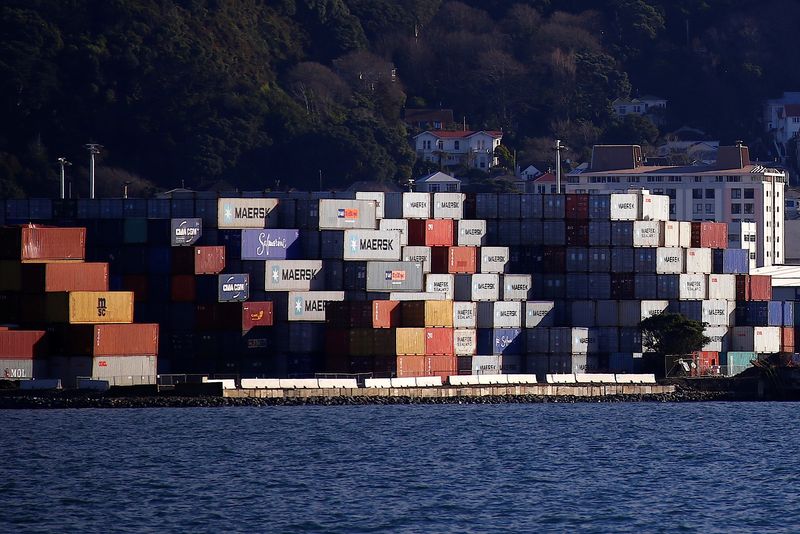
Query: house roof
[437,177]
[792,110]
[546,177]
[461,134]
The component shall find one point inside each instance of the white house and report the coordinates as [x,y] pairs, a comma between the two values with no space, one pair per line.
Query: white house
[437,182]
[530,172]
[449,149]
[782,120]
[701,152]
[638,106]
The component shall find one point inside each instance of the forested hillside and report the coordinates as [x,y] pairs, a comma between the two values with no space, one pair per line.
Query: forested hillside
[268,94]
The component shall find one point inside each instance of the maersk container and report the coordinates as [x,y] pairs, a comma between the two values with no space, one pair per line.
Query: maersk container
[760,339]
[698,261]
[517,287]
[554,232]
[376,197]
[576,286]
[722,286]
[630,339]
[600,207]
[647,234]
[484,286]
[465,314]
[310,305]
[654,207]
[366,245]
[258,244]
[553,206]
[233,287]
[607,313]
[440,283]
[471,233]
[692,286]
[622,260]
[599,286]
[394,276]
[417,205]
[731,261]
[236,213]
[494,259]
[583,313]
[670,234]
[599,233]
[669,260]
[465,341]
[622,233]
[397,225]
[718,338]
[448,205]
[566,340]
[599,260]
[419,255]
[644,260]
[718,312]
[632,312]
[624,207]
[510,231]
[505,314]
[486,206]
[539,314]
[531,206]
[415,295]
[573,363]
[336,214]
[294,275]
[645,286]
[577,259]
[508,205]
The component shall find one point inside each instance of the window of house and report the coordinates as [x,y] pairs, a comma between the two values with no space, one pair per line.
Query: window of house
[483,163]
[434,188]
[672,193]
[622,110]
[457,145]
[752,255]
[736,193]
[709,193]
[733,237]
[795,119]
[697,193]
[719,178]
[709,208]
[698,178]
[439,144]
[552,188]
[437,125]
[736,208]
[452,188]
[698,208]
[749,209]
[658,191]
[749,192]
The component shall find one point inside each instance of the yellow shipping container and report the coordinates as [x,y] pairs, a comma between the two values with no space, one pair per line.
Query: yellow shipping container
[410,341]
[89,307]
[439,313]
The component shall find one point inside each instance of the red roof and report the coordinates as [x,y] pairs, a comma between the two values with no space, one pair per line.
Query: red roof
[793,110]
[462,134]
[546,177]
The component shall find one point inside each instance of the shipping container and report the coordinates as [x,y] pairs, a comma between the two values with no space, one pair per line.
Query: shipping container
[653,207]
[416,206]
[266,244]
[85,307]
[256,314]
[530,231]
[787,340]
[494,259]
[607,313]
[53,277]
[410,341]
[624,207]
[753,287]
[709,235]
[371,245]
[431,232]
[732,261]
[577,286]
[394,276]
[22,345]
[38,244]
[209,260]
[294,275]
[554,232]
[576,259]
[233,287]
[398,225]
[600,207]
[465,341]
[484,286]
[500,314]
[418,255]
[517,287]
[599,260]
[440,283]
[670,234]
[722,286]
[386,314]
[622,233]
[375,196]
[737,362]
[336,214]
[647,234]
[509,232]
[501,341]
[576,206]
[567,340]
[465,314]
[185,232]
[554,206]
[622,260]
[236,213]
[623,286]
[310,305]
[462,260]
[471,233]
[530,206]
[448,205]
[698,261]
[438,313]
[583,313]
[508,205]
[692,286]
[486,206]
[540,314]
[599,233]
[669,260]
[439,341]
[760,339]
[646,286]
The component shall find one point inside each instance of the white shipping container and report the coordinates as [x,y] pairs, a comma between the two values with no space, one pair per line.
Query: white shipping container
[233,213]
[294,275]
[448,205]
[340,214]
[416,295]
[685,232]
[485,286]
[566,340]
[440,283]
[418,254]
[365,245]
[377,197]
[310,305]
[506,314]
[465,341]
[624,206]
[632,312]
[698,260]
[718,312]
[669,260]
[465,314]
[471,233]
[671,234]
[539,313]
[692,287]
[399,225]
[719,339]
[761,339]
[646,234]
[494,259]
[416,205]
[654,207]
[722,286]
[517,287]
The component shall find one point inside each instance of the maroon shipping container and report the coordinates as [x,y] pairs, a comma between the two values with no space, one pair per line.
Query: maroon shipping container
[22,344]
[442,366]
[439,259]
[622,286]
[462,260]
[74,276]
[412,313]
[209,260]
[787,339]
[10,307]
[108,339]
[753,287]
[138,284]
[385,314]
[439,341]
[182,288]
[416,232]
[39,244]
[576,206]
[554,259]
[182,260]
[214,316]
[577,233]
[255,314]
[709,235]
[385,341]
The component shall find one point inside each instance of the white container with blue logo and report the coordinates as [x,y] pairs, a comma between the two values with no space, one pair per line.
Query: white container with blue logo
[361,245]
[341,214]
[310,305]
[233,213]
[294,275]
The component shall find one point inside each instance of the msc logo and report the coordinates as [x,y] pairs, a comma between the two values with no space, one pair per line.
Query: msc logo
[101,307]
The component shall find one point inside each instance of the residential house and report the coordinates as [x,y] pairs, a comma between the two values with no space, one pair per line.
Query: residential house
[466,147]
[692,151]
[782,120]
[544,184]
[530,172]
[429,119]
[437,182]
[643,105]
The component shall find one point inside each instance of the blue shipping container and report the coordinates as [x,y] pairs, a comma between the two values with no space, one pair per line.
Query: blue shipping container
[731,261]
[508,341]
[233,287]
[599,206]
[599,233]
[271,244]
[622,260]
[599,286]
[644,260]
[645,286]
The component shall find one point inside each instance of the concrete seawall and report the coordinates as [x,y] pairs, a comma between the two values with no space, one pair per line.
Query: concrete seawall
[544,390]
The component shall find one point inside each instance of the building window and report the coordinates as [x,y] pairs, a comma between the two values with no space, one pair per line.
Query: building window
[795,119]
[457,145]
[752,255]
[736,208]
[736,193]
[749,192]
[709,208]
[439,144]
[672,193]
[719,178]
[733,237]
[437,125]
[434,188]
[697,193]
[709,193]
[698,208]
[698,178]
[749,209]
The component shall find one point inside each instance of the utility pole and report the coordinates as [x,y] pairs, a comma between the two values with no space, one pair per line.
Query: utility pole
[320,179]
[558,148]
[125,188]
[93,149]
[63,162]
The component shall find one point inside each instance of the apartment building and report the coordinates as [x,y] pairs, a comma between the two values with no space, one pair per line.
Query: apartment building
[732,190]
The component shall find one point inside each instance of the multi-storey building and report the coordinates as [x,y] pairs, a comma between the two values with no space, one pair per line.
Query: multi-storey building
[449,149]
[782,120]
[733,190]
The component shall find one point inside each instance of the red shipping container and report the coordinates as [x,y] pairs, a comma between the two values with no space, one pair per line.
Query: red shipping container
[182,260]
[554,259]
[409,366]
[709,235]
[622,286]
[577,233]
[182,288]
[576,206]
[73,276]
[462,260]
[743,287]
[442,366]
[22,344]
[385,314]
[439,341]
[416,232]
[125,340]
[255,314]
[440,232]
[209,260]
[136,283]
[760,287]
[40,244]
[787,339]
[706,363]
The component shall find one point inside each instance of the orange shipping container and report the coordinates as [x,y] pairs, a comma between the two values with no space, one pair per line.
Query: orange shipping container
[51,277]
[787,339]
[439,232]
[114,340]
[439,313]
[22,344]
[39,244]
[209,260]
[256,314]
[442,366]
[462,260]
[385,314]
[439,341]
[410,341]
[409,366]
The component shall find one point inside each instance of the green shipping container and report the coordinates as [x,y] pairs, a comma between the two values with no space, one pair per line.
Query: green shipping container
[135,230]
[735,362]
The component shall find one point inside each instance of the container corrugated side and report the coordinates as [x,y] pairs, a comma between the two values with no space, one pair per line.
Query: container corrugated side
[485,286]
[567,340]
[377,197]
[647,234]
[471,233]
[90,307]
[22,344]
[416,205]
[539,314]
[718,312]
[310,305]
[294,275]
[718,338]
[698,261]
[517,287]
[394,276]
[440,283]
[624,207]
[340,214]
[419,255]
[265,244]
[439,313]
[465,314]
[465,341]
[606,312]
[52,277]
[448,205]
[583,313]
[372,245]
[669,260]
[245,212]
[399,225]
[494,259]
[410,341]
[35,244]
[692,287]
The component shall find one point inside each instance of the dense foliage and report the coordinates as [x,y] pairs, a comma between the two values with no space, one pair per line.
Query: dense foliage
[256,93]
[672,334]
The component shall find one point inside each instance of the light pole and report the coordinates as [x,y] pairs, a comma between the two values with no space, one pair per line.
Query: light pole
[320,179]
[63,162]
[558,148]
[93,149]
[125,188]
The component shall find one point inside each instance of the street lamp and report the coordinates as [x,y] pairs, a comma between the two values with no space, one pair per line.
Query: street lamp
[558,148]
[93,149]
[63,162]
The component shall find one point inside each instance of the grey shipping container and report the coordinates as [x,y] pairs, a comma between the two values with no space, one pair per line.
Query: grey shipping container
[310,305]
[417,206]
[517,287]
[372,245]
[471,233]
[418,254]
[494,259]
[395,276]
[482,286]
[399,225]
[294,275]
[343,214]
[539,313]
[448,205]
[375,196]
[235,213]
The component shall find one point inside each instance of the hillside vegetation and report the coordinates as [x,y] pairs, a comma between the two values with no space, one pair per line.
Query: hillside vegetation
[270,94]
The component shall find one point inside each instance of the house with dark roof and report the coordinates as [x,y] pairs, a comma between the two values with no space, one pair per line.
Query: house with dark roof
[429,119]
[464,147]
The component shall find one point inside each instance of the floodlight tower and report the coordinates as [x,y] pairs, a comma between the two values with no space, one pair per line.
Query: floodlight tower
[63,162]
[93,149]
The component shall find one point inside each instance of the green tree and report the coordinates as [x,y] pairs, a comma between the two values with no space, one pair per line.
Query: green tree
[672,334]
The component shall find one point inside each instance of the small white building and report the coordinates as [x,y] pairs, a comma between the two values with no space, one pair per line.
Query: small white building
[437,182]
[450,149]
[643,105]
[530,172]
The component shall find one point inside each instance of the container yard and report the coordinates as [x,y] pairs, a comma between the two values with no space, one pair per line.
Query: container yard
[373,286]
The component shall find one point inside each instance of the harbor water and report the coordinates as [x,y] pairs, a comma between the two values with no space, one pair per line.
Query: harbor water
[630,467]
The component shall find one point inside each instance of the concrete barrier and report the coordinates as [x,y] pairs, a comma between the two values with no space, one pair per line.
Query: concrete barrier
[378,383]
[39,384]
[522,379]
[260,383]
[463,380]
[560,379]
[635,379]
[492,379]
[428,381]
[595,378]
[338,383]
[227,383]
[409,382]
[95,385]
[299,383]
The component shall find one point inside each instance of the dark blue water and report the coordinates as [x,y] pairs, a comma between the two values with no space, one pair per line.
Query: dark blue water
[714,467]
